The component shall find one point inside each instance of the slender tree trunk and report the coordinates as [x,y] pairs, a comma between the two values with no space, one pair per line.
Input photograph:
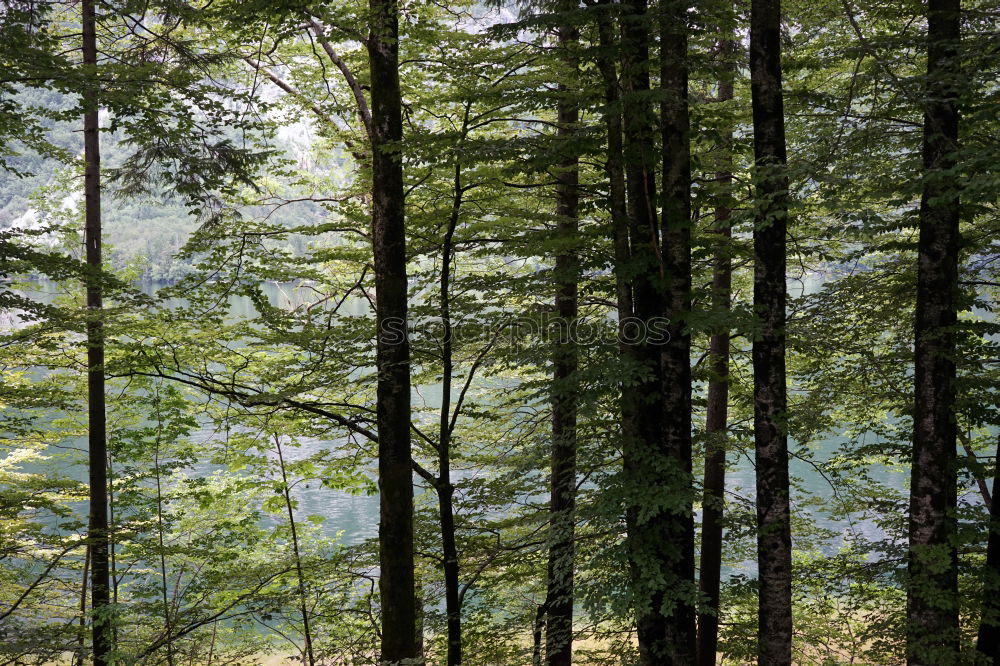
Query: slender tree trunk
[112,552]
[536,635]
[81,639]
[418,592]
[100,601]
[396,580]
[445,488]
[113,576]
[980,476]
[774,547]
[615,167]
[988,643]
[677,558]
[717,416]
[562,502]
[211,645]
[159,533]
[297,554]
[617,204]
[932,594]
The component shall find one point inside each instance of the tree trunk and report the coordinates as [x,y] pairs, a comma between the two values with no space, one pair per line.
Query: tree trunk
[677,558]
[650,474]
[615,168]
[562,503]
[445,489]
[81,652]
[774,547]
[932,594]
[536,635]
[100,600]
[160,531]
[631,393]
[717,416]
[658,460]
[396,579]
[988,643]
[307,642]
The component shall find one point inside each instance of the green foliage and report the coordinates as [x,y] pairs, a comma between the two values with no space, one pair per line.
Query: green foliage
[242,408]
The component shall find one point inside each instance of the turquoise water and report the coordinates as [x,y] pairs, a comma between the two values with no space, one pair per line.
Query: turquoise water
[355,516]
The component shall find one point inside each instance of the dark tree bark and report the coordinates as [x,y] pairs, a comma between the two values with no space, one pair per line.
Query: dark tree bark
[677,552]
[396,579]
[932,593]
[164,582]
[656,413]
[631,393]
[717,416]
[100,587]
[988,641]
[774,547]
[615,168]
[562,502]
[617,201]
[642,426]
[444,486]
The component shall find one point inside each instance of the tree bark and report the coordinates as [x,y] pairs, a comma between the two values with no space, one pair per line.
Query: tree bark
[642,412]
[677,555]
[631,393]
[286,490]
[159,528]
[396,579]
[617,201]
[562,502]
[988,641]
[655,462]
[445,489]
[658,459]
[81,652]
[932,593]
[774,548]
[100,599]
[717,416]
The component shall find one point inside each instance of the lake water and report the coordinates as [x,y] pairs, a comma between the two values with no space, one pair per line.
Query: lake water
[355,517]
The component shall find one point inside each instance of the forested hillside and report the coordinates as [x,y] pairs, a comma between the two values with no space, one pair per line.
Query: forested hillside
[144,234]
[620,332]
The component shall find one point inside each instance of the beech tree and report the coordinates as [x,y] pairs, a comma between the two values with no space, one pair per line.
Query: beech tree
[931,604]
[717,408]
[677,644]
[399,621]
[774,542]
[565,382]
[97,546]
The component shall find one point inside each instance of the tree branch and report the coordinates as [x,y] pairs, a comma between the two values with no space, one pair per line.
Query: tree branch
[359,95]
